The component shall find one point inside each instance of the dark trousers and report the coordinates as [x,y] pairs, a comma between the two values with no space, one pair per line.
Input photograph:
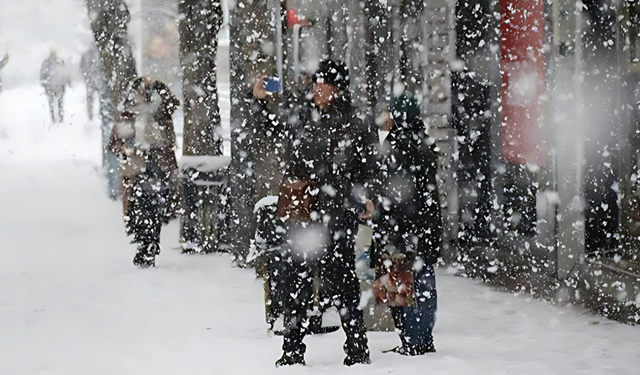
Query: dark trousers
[145,211]
[335,262]
[56,100]
[416,323]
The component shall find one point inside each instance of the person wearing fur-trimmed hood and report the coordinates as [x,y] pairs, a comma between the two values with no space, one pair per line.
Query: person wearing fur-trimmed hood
[145,140]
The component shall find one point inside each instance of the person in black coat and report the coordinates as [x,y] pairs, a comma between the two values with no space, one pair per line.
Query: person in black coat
[408,218]
[145,142]
[331,153]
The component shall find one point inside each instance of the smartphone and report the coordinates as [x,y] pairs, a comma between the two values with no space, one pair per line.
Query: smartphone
[272,84]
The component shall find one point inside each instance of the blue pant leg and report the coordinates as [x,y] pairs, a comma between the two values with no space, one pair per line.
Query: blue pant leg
[420,320]
[114,175]
[110,163]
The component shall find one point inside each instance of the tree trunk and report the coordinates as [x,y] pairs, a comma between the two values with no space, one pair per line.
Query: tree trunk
[200,22]
[109,19]
[250,31]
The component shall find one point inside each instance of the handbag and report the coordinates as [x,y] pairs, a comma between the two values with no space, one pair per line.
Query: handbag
[393,285]
[295,199]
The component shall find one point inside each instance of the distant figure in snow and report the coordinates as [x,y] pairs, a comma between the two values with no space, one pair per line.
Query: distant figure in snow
[145,140]
[54,79]
[91,69]
[4,62]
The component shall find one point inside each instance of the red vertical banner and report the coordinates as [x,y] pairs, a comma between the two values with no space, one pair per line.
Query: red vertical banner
[522,67]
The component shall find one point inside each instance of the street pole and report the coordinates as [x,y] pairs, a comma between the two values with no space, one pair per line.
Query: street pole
[570,150]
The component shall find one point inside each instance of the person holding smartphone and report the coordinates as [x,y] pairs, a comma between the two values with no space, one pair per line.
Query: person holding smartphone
[330,164]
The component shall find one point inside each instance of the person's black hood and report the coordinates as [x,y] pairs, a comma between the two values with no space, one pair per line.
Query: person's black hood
[406,112]
[334,73]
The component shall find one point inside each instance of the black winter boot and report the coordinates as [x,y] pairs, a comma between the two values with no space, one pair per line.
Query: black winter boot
[359,358]
[424,349]
[356,347]
[146,256]
[411,350]
[290,359]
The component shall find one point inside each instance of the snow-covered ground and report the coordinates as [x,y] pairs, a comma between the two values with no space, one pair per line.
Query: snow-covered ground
[71,302]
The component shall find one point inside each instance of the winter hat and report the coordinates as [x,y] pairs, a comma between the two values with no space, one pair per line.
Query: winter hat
[405,108]
[332,72]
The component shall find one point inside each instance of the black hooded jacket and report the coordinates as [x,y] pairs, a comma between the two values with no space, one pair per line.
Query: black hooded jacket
[408,214]
[334,149]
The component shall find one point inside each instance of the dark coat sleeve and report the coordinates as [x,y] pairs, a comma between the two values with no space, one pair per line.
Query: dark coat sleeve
[427,222]
[364,165]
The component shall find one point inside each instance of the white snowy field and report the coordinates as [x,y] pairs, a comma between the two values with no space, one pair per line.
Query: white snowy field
[72,303]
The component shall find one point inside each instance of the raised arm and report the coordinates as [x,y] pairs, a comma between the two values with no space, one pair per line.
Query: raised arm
[5,60]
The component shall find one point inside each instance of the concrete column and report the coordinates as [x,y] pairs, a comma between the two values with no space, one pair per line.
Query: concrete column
[567,96]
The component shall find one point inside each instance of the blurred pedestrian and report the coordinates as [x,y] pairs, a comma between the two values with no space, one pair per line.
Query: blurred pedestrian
[408,223]
[54,78]
[145,140]
[329,163]
[94,80]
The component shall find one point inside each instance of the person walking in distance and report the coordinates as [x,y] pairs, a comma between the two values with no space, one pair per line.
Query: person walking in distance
[54,78]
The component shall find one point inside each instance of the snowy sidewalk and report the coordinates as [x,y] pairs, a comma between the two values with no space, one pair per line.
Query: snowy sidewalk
[72,303]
